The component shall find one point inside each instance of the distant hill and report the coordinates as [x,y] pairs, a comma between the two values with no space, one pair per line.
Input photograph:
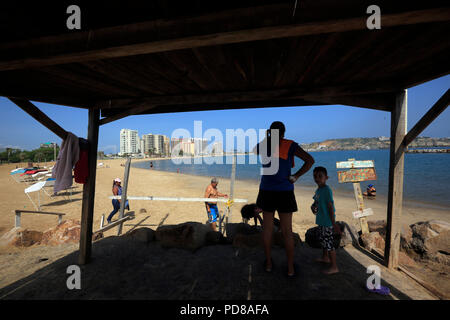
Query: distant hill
[372,143]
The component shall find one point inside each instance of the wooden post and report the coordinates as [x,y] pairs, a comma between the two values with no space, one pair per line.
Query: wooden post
[396,165]
[123,200]
[17,214]
[87,210]
[360,206]
[233,178]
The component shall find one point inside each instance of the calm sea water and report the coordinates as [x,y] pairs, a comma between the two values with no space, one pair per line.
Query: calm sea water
[427,176]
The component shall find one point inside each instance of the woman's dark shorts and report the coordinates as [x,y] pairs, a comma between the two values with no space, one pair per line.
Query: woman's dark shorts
[280,201]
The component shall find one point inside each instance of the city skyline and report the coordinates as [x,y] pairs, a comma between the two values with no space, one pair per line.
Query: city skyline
[304,124]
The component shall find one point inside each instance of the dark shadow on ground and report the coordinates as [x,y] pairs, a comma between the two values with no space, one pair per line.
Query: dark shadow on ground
[58,203]
[122,268]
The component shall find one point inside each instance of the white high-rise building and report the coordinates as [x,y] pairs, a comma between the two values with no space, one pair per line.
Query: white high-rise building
[200,146]
[129,142]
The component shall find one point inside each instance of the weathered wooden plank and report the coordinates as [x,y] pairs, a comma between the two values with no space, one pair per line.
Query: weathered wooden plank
[360,206]
[87,209]
[123,198]
[357,175]
[395,193]
[118,222]
[193,41]
[429,117]
[355,164]
[364,213]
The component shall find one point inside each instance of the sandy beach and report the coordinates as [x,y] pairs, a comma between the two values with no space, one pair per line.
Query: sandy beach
[39,262]
[146,182]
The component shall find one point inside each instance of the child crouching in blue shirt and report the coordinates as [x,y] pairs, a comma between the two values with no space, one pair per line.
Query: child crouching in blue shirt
[323,207]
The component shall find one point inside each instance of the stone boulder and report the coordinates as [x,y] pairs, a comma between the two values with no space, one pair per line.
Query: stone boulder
[232,229]
[188,235]
[67,231]
[405,260]
[215,237]
[144,235]
[241,240]
[278,239]
[20,237]
[378,226]
[372,240]
[431,238]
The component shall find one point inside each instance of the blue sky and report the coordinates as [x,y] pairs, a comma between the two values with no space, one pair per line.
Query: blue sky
[303,124]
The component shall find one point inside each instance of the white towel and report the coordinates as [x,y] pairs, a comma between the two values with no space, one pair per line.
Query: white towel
[67,158]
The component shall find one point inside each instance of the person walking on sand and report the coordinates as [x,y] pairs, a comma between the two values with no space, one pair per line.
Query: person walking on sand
[211,208]
[324,209]
[117,191]
[276,190]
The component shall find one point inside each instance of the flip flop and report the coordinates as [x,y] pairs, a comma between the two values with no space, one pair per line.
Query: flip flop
[382,290]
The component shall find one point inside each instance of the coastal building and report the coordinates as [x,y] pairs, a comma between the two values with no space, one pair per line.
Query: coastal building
[200,146]
[216,148]
[167,149]
[129,142]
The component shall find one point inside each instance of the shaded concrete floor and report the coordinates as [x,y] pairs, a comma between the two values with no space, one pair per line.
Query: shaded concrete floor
[123,268]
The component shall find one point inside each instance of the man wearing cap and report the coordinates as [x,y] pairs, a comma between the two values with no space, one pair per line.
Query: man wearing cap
[117,191]
[211,208]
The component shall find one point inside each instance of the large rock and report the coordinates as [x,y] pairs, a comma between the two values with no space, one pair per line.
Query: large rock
[215,237]
[145,235]
[20,237]
[67,231]
[188,235]
[349,235]
[372,240]
[405,260]
[377,226]
[431,238]
[232,229]
[241,240]
[380,226]
[278,239]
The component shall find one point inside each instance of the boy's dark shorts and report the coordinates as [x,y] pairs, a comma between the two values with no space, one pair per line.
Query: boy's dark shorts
[280,201]
[326,238]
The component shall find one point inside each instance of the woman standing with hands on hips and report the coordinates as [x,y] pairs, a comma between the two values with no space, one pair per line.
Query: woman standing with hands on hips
[276,190]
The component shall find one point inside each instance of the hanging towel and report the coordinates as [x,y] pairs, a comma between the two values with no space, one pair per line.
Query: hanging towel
[67,158]
[81,171]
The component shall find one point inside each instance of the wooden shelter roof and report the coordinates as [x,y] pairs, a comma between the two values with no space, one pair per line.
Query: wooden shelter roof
[177,55]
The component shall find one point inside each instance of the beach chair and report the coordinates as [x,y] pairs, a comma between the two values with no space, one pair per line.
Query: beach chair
[37,187]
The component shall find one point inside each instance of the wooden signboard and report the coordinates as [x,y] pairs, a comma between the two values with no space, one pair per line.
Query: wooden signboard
[357,175]
[363,213]
[355,164]
[366,172]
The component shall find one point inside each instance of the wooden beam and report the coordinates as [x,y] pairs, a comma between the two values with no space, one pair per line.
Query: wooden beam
[395,193]
[133,110]
[429,117]
[115,223]
[123,198]
[213,39]
[87,209]
[354,95]
[38,115]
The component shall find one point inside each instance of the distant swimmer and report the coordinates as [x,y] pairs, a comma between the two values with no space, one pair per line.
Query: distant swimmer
[211,208]
[370,191]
